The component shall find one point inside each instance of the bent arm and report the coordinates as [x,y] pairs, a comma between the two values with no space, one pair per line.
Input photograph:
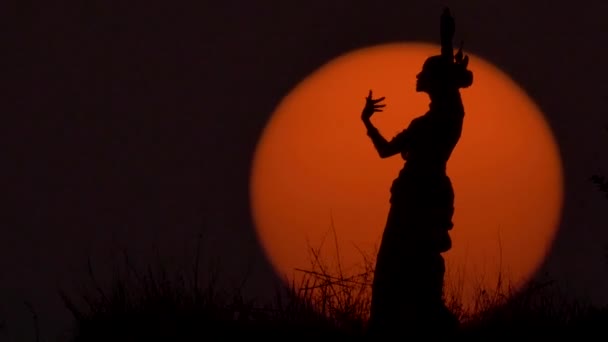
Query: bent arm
[385,148]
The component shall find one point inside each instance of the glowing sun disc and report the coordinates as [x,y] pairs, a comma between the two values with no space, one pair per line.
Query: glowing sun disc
[315,167]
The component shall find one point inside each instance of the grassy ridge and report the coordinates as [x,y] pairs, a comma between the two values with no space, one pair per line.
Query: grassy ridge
[325,302]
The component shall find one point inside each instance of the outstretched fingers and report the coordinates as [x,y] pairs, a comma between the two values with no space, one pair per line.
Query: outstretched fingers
[370,99]
[373,104]
[377,107]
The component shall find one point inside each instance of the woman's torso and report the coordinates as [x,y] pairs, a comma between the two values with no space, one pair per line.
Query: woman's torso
[431,141]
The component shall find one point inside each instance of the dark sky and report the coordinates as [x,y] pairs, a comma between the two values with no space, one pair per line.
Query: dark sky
[132,125]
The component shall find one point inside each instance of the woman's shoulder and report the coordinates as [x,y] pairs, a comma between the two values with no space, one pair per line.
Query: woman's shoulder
[417,121]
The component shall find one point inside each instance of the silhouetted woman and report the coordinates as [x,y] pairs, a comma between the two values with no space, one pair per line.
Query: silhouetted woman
[407,292]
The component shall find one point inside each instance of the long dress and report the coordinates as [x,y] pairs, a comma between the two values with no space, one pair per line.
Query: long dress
[407,292]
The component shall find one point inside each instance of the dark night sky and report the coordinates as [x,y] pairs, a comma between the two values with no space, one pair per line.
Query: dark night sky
[133,125]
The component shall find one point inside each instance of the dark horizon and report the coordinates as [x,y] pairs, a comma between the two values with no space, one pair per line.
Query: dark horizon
[134,125]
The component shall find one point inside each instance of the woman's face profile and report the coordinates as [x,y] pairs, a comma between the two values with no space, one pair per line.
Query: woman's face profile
[423,82]
[429,78]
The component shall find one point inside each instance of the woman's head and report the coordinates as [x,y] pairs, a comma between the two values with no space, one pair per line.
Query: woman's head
[440,74]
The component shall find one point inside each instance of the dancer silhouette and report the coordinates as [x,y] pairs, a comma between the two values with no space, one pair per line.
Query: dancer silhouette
[407,292]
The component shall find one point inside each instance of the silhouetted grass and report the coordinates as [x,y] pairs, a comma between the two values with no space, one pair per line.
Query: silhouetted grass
[326,302]
[180,306]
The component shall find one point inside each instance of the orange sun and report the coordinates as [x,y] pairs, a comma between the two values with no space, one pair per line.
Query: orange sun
[315,168]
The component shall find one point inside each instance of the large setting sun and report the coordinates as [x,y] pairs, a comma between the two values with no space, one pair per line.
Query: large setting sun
[315,168]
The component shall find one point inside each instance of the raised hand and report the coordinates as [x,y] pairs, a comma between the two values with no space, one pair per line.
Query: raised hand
[447,25]
[371,106]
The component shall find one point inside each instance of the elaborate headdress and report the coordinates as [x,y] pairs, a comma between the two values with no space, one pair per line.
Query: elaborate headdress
[454,67]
